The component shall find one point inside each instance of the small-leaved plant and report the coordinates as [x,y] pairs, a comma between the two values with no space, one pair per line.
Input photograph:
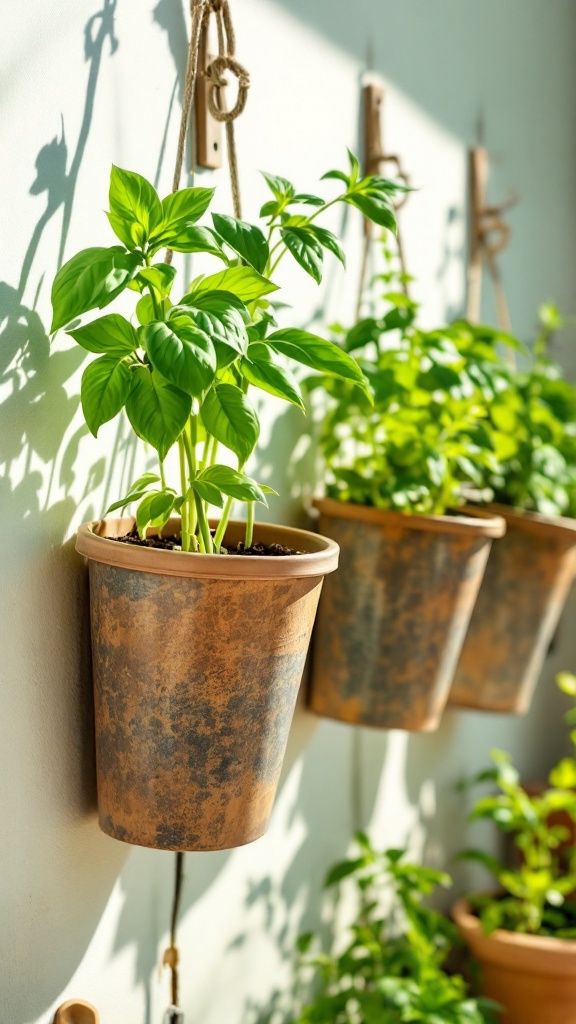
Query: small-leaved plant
[425,444]
[391,967]
[536,895]
[182,367]
[537,411]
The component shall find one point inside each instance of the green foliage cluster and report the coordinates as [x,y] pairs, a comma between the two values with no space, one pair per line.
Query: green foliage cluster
[391,969]
[182,368]
[538,895]
[538,411]
[452,419]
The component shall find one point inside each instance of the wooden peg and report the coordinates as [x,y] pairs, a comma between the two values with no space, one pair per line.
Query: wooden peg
[76,1011]
[489,236]
[208,131]
[372,103]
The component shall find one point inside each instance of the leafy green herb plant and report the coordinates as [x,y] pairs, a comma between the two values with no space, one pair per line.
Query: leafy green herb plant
[535,897]
[537,411]
[182,368]
[391,968]
[425,444]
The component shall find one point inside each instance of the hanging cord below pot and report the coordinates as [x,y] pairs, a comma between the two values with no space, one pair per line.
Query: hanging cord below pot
[201,10]
[171,957]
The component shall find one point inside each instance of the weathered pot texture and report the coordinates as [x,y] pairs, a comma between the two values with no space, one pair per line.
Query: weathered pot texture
[533,978]
[392,621]
[197,661]
[524,590]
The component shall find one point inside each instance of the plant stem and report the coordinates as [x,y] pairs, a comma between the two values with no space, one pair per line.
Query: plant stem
[203,524]
[249,525]
[184,486]
[221,529]
[162,475]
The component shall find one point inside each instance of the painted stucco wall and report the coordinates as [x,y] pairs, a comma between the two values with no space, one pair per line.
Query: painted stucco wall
[91,82]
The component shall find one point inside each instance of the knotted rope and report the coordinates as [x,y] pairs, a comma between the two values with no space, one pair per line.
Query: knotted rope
[201,11]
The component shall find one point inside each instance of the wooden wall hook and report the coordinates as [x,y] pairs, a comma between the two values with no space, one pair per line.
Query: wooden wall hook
[375,154]
[76,1011]
[489,236]
[208,131]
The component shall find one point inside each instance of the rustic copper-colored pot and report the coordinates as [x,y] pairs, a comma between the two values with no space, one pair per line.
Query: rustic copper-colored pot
[532,977]
[197,661]
[524,590]
[392,620]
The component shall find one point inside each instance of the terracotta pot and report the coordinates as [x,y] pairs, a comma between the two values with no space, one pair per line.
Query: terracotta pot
[197,660]
[520,602]
[533,978]
[392,621]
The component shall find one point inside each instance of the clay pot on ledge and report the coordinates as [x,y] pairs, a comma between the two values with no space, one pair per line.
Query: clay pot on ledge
[532,977]
[522,596]
[197,661]
[393,619]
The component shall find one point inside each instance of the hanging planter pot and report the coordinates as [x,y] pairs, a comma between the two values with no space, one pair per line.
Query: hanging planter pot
[197,661]
[392,621]
[519,604]
[532,977]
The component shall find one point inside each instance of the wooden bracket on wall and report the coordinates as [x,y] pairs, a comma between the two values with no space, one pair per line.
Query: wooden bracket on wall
[375,158]
[489,236]
[208,131]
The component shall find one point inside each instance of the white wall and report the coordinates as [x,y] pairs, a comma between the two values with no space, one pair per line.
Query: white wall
[88,82]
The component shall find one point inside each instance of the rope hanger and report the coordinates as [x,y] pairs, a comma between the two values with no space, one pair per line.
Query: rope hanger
[201,11]
[489,237]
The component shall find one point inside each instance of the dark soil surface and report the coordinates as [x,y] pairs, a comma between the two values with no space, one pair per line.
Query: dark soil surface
[173,543]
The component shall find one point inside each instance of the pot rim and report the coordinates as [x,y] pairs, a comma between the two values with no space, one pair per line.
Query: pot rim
[534,522]
[513,944]
[479,521]
[320,553]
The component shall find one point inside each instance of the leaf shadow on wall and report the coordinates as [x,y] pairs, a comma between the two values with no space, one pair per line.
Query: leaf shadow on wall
[58,870]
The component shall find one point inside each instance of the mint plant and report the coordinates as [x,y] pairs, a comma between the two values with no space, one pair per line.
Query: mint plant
[537,410]
[391,969]
[425,444]
[182,368]
[536,896]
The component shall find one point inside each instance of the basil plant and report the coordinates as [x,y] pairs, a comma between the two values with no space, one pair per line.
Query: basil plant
[182,367]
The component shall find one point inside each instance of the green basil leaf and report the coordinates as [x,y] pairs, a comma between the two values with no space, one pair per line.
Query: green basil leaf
[193,238]
[260,371]
[132,496]
[246,239]
[223,317]
[144,481]
[104,390]
[234,484]
[157,410]
[90,280]
[134,207]
[183,354]
[317,353]
[244,282]
[160,276]
[112,335]
[229,417]
[180,211]
[208,492]
[154,510]
[375,208]
[307,199]
[280,187]
[306,250]
[328,241]
[146,310]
